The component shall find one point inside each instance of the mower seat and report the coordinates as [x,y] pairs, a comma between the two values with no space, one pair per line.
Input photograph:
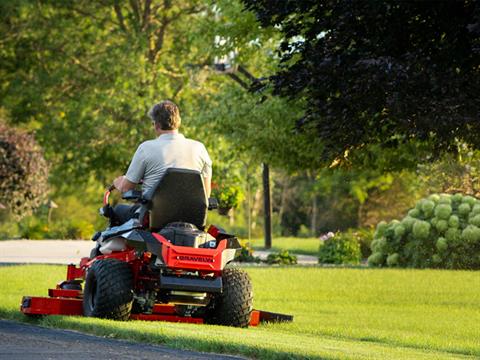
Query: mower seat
[178,197]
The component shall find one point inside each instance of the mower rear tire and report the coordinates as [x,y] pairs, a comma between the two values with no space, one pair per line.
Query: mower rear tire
[233,306]
[108,290]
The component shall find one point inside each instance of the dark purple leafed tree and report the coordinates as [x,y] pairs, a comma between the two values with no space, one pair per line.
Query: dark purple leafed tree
[380,72]
[23,172]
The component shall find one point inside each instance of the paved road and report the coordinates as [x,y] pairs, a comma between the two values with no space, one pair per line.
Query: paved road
[44,251]
[26,342]
[70,251]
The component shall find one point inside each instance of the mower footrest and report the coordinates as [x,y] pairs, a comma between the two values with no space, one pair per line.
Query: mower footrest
[191,284]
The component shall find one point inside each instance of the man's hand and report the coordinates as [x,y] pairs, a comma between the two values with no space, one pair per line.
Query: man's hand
[122,184]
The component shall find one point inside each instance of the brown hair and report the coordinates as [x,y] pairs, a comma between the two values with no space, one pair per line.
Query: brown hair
[166,114]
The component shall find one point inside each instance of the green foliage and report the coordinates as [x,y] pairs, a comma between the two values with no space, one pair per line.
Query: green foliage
[392,260]
[427,207]
[376,259]
[229,197]
[421,229]
[335,63]
[443,211]
[246,254]
[464,209]
[9,230]
[414,213]
[454,221]
[281,258]
[471,234]
[442,244]
[441,226]
[440,236]
[36,229]
[89,77]
[342,248]
[23,172]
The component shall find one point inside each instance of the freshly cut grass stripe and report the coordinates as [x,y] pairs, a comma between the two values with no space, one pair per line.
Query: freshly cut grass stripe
[339,314]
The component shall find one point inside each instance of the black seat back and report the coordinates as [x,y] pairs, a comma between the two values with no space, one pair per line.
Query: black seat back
[179,196]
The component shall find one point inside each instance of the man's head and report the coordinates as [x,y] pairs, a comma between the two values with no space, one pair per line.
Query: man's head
[165,115]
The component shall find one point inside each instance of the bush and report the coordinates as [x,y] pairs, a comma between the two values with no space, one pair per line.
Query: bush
[442,231]
[229,197]
[23,172]
[35,228]
[343,248]
[246,254]
[281,258]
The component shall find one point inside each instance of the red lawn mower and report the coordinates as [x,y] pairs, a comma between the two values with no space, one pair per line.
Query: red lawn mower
[163,264]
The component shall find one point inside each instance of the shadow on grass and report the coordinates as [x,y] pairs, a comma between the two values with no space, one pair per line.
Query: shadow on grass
[121,330]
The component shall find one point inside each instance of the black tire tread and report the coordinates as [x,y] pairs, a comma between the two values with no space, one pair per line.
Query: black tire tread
[234,306]
[114,294]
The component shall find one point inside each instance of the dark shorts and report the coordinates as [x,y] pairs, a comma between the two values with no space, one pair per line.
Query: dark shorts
[124,212]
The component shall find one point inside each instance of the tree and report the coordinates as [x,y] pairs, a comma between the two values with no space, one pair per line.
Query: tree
[23,172]
[83,74]
[379,72]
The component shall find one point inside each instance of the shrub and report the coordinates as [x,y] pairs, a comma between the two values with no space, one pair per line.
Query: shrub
[454,221]
[246,254]
[281,258]
[377,259]
[421,229]
[343,248]
[23,172]
[228,197]
[441,231]
[392,260]
[443,211]
[442,244]
[37,229]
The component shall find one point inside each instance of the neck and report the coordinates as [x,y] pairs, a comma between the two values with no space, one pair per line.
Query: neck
[162,132]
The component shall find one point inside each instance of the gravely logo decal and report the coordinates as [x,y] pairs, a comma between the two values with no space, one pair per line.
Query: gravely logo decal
[195,258]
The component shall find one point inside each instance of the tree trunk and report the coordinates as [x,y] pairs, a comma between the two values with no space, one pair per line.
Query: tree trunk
[283,199]
[313,220]
[267,207]
[256,207]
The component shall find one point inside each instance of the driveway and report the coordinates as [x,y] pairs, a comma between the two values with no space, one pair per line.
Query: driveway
[25,342]
[71,251]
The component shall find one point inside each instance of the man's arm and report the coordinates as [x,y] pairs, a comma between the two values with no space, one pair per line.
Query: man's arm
[208,185]
[123,184]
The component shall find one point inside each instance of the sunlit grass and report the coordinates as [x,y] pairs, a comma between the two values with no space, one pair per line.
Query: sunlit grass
[339,314]
[295,245]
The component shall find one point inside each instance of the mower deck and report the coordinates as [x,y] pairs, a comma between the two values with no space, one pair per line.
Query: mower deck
[69,302]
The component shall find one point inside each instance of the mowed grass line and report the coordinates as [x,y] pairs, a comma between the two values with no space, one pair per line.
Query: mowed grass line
[339,314]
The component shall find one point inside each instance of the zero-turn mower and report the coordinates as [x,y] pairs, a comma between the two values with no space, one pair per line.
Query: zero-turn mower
[163,264]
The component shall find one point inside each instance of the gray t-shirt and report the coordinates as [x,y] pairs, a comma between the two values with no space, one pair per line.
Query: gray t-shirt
[154,157]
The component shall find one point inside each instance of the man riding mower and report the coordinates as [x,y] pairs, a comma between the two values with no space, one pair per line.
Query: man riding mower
[166,256]
[158,260]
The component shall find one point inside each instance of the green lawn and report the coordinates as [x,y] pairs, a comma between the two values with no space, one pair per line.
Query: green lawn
[339,314]
[295,245]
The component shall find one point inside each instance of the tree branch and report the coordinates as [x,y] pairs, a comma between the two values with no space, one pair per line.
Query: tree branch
[118,12]
[146,14]
[136,13]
